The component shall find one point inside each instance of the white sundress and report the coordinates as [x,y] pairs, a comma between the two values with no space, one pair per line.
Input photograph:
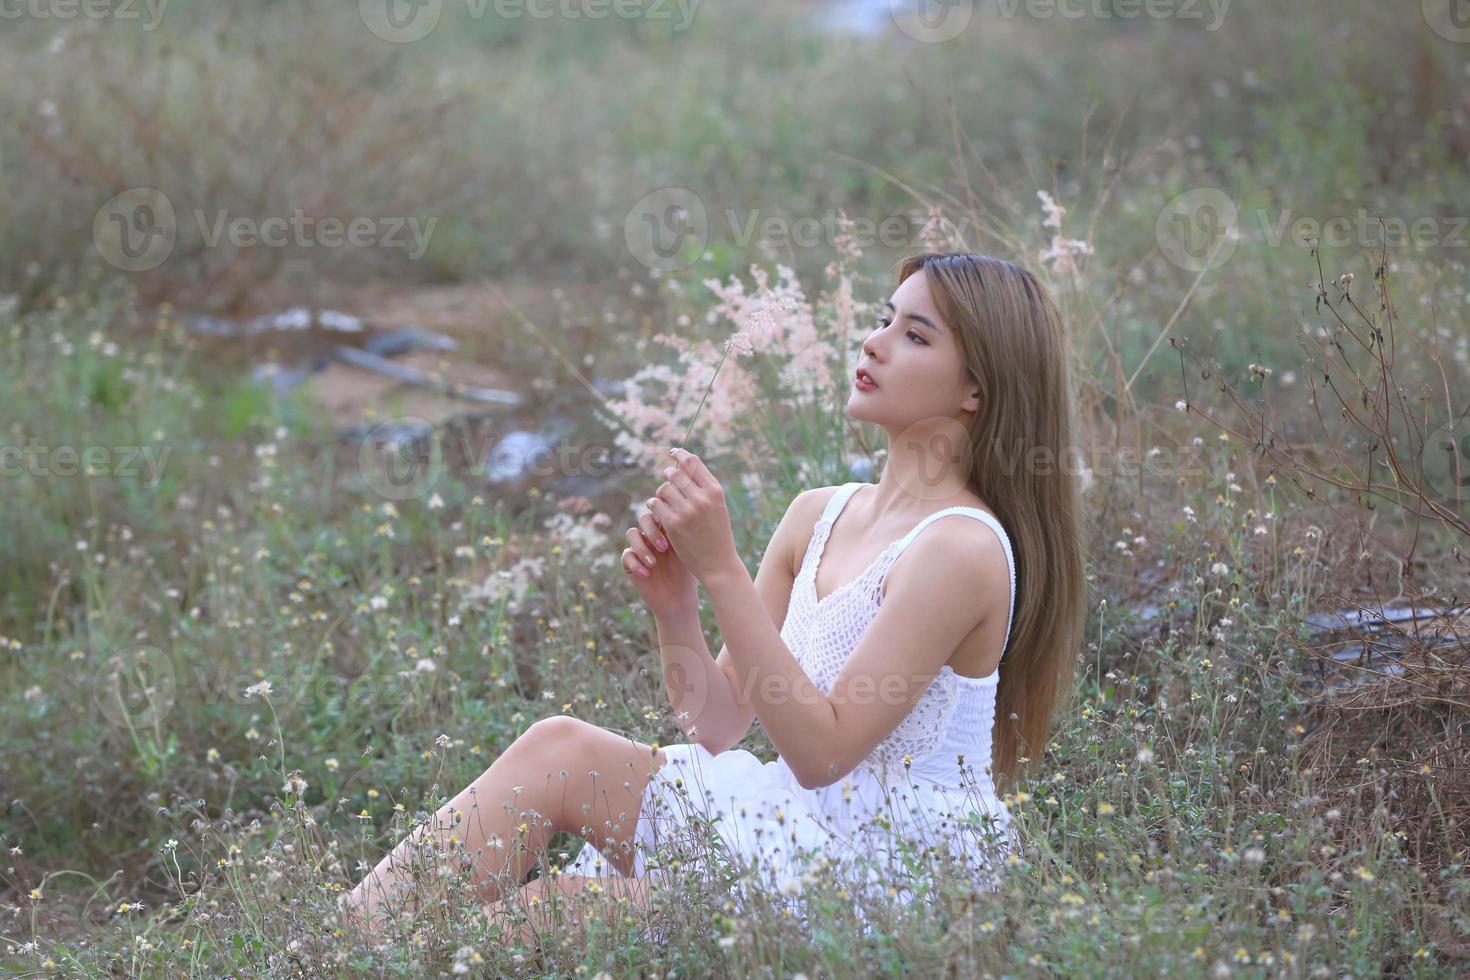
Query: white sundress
[776,829]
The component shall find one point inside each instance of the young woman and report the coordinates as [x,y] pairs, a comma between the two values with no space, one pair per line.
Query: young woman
[904,678]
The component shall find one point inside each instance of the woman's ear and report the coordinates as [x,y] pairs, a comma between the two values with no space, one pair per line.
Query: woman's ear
[972,400]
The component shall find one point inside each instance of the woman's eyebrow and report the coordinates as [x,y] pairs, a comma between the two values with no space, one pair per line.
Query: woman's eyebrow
[914,316]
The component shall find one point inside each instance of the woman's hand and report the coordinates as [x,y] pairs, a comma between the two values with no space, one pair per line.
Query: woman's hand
[690,508]
[666,585]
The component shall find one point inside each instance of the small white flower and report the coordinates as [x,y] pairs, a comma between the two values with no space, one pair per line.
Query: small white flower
[263,688]
[1219,568]
[436,502]
[378,602]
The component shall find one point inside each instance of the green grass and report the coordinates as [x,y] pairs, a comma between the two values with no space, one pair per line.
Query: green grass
[1219,848]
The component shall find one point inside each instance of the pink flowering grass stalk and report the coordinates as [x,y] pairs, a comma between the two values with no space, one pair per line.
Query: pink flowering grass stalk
[800,347]
[739,345]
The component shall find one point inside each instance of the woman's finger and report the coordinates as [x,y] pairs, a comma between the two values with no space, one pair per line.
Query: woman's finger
[674,497]
[632,565]
[661,511]
[694,467]
[639,546]
[680,478]
[652,532]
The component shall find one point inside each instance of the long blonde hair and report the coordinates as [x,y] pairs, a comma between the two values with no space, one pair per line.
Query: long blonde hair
[1015,344]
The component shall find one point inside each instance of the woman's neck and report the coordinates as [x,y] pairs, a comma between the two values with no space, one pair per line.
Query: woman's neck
[914,486]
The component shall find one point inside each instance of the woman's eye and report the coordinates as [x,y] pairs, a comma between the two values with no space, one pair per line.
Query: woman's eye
[915,336]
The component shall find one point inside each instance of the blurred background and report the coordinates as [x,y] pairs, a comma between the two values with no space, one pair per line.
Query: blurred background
[337,340]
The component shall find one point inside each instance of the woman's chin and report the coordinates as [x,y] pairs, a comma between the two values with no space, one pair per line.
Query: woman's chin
[855,409]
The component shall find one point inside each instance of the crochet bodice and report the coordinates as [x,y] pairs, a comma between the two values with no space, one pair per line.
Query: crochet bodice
[955,716]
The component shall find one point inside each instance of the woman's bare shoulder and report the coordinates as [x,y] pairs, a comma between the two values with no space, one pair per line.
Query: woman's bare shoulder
[794,531]
[808,505]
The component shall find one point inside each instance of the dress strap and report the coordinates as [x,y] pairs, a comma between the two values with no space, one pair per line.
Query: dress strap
[995,526]
[838,500]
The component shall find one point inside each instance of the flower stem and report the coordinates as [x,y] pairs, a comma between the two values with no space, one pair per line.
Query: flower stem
[683,443]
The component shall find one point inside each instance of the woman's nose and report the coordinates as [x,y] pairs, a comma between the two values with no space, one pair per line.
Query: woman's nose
[869,347]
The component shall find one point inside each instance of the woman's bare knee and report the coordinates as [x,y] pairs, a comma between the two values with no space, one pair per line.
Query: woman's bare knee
[595,782]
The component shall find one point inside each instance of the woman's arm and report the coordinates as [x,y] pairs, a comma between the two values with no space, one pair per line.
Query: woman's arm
[710,704]
[930,606]
[933,602]
[698,690]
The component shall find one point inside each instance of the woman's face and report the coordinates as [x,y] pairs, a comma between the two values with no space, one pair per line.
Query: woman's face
[917,364]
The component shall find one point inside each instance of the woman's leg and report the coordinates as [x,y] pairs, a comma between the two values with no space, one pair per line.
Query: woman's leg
[561,774]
